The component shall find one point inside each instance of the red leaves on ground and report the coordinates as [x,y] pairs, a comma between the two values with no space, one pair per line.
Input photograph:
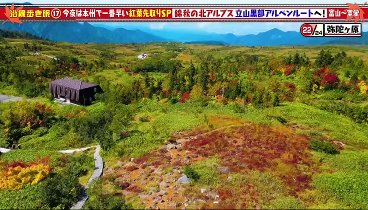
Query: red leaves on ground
[133,188]
[240,149]
[224,193]
[131,168]
[257,147]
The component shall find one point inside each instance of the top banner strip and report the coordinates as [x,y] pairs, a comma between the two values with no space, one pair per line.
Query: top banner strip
[181,13]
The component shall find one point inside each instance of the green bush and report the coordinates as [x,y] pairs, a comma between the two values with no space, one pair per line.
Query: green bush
[80,165]
[356,112]
[26,155]
[98,200]
[204,172]
[238,108]
[29,197]
[144,118]
[25,117]
[285,203]
[323,146]
[280,119]
[191,173]
[333,95]
[275,100]
[30,89]
[349,161]
[41,131]
[174,100]
[61,190]
[112,122]
[351,188]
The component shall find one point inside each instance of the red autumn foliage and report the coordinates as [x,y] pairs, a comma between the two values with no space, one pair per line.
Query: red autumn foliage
[133,188]
[241,197]
[289,69]
[45,160]
[126,69]
[165,93]
[35,116]
[256,147]
[240,149]
[156,163]
[124,185]
[212,76]
[224,193]
[329,79]
[22,164]
[326,77]
[288,91]
[184,97]
[163,150]
[177,163]
[16,164]
[131,168]
[290,86]
[141,160]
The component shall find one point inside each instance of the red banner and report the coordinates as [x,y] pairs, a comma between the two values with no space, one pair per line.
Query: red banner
[18,14]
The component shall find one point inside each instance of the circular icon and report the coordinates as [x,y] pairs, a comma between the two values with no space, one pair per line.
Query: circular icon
[55,13]
[306,29]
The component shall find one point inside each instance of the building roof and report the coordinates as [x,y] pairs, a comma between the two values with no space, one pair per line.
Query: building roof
[72,83]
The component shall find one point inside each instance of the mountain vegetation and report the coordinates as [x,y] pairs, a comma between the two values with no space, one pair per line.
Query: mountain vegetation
[190,126]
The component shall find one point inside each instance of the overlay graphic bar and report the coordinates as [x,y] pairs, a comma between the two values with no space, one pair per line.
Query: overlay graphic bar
[249,13]
[331,29]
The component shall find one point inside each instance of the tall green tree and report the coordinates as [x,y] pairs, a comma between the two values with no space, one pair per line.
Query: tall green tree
[324,58]
[204,77]
[192,72]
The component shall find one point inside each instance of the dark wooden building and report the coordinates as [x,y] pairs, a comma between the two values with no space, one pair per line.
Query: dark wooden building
[74,91]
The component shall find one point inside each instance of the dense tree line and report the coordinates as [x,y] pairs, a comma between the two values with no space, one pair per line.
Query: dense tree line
[242,76]
[14,34]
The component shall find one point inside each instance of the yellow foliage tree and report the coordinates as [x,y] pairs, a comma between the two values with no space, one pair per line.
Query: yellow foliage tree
[363,87]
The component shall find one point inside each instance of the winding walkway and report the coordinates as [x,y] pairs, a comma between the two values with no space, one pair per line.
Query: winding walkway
[96,173]
[4,150]
[6,98]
